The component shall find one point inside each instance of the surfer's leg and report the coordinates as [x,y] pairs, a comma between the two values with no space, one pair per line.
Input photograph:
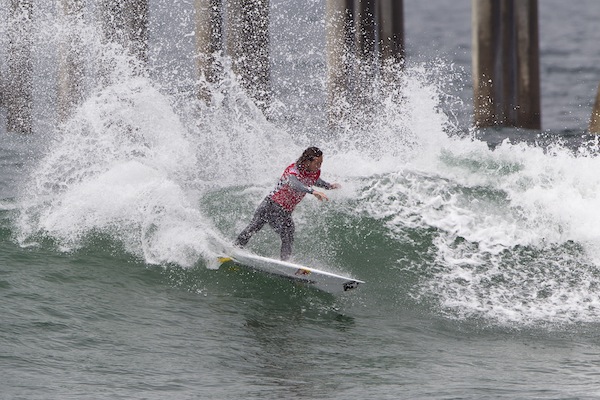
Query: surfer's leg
[284,226]
[261,217]
[287,238]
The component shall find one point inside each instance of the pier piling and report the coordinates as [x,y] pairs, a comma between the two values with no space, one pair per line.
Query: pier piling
[365,68]
[126,22]
[18,97]
[248,46]
[138,30]
[506,77]
[363,38]
[209,38]
[390,15]
[339,29]
[364,18]
[595,119]
[71,60]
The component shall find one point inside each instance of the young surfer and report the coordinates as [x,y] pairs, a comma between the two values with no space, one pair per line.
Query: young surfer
[276,209]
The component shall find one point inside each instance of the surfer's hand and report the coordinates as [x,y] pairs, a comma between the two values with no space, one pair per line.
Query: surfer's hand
[335,186]
[320,195]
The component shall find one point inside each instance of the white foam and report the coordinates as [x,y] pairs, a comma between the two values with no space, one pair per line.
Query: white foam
[514,198]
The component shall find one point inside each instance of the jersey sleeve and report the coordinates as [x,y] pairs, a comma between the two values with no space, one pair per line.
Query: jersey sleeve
[322,184]
[295,184]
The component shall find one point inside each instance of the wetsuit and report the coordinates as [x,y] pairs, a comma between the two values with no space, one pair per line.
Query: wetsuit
[276,209]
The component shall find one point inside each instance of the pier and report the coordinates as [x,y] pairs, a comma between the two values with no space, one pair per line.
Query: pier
[362,37]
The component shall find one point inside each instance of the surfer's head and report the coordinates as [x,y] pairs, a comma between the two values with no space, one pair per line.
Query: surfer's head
[310,160]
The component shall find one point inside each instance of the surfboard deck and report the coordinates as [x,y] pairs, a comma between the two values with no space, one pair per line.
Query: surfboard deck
[323,280]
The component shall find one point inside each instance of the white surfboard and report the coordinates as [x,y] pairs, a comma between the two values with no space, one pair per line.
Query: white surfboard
[323,280]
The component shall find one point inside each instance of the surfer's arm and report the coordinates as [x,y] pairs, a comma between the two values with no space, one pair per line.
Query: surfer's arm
[326,185]
[295,184]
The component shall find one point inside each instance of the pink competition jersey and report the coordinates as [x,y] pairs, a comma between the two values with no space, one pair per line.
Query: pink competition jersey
[285,195]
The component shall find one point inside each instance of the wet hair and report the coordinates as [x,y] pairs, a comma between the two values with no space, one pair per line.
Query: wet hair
[307,156]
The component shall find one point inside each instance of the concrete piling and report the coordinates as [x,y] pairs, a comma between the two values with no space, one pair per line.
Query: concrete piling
[528,61]
[365,68]
[209,37]
[339,27]
[483,55]
[505,56]
[595,119]
[71,60]
[390,17]
[18,97]
[364,18]
[363,38]
[126,22]
[138,29]
[248,46]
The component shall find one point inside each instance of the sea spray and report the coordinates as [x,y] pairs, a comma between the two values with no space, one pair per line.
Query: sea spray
[132,162]
[120,165]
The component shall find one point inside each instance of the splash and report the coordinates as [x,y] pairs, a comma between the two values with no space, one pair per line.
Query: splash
[132,161]
[120,165]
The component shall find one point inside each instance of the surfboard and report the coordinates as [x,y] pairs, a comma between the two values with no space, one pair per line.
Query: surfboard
[323,280]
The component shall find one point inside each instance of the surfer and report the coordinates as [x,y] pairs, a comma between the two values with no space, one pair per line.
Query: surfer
[276,209]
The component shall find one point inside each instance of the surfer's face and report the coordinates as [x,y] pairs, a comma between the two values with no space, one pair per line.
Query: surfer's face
[315,164]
